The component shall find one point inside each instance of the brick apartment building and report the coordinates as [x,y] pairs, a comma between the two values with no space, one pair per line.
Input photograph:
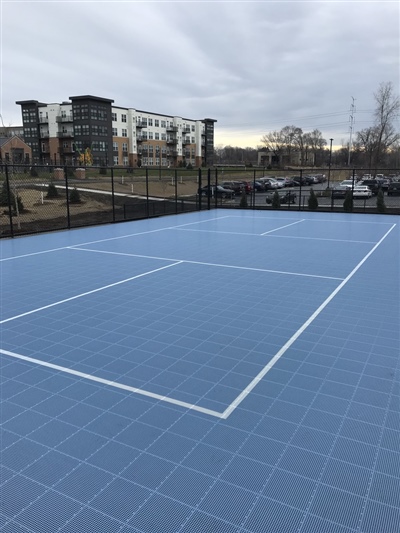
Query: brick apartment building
[116,136]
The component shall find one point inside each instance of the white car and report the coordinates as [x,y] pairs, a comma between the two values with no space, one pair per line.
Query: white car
[362,191]
[347,183]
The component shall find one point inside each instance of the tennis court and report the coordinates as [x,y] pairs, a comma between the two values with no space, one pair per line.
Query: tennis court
[200,373]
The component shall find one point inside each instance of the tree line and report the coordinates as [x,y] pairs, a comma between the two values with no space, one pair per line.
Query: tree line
[375,147]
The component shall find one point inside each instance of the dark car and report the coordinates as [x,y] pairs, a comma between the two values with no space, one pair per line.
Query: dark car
[236,186]
[394,188]
[218,191]
[339,191]
[259,186]
[288,197]
[373,184]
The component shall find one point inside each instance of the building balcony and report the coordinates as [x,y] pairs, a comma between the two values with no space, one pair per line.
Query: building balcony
[65,134]
[67,118]
[141,124]
[44,134]
[172,128]
[141,138]
[171,140]
[185,130]
[43,120]
[185,140]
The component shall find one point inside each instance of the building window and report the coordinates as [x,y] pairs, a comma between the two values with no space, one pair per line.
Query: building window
[163,136]
[85,129]
[150,161]
[95,130]
[156,136]
[124,147]
[125,161]
[156,123]
[124,132]
[115,147]
[115,159]
[115,132]
[192,128]
[193,141]
[150,135]
[163,124]
[77,129]
[150,121]
[114,117]
[123,118]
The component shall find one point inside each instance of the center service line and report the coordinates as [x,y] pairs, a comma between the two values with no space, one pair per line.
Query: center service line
[88,292]
[287,225]
[294,337]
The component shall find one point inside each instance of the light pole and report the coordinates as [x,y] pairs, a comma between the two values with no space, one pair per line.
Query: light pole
[330,162]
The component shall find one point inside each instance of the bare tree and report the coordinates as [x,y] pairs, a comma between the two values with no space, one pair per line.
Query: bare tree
[274,142]
[317,145]
[387,109]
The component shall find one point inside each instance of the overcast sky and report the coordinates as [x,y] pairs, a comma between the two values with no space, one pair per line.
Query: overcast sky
[255,67]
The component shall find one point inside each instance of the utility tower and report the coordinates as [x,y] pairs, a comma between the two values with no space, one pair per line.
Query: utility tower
[352,113]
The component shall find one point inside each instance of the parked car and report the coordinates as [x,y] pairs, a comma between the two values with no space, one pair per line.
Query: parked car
[282,181]
[235,186]
[271,183]
[394,189]
[339,191]
[362,191]
[348,183]
[259,186]
[218,191]
[288,197]
[373,184]
[247,186]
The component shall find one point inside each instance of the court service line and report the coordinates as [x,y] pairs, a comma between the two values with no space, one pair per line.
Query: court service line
[113,383]
[108,239]
[281,227]
[270,235]
[87,293]
[205,264]
[296,335]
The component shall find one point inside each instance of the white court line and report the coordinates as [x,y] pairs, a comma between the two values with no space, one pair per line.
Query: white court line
[296,335]
[228,411]
[270,235]
[88,292]
[205,264]
[320,219]
[109,239]
[281,227]
[113,383]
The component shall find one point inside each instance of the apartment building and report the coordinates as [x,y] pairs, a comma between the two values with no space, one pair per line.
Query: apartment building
[60,133]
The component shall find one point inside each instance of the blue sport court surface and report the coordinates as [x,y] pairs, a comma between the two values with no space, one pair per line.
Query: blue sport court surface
[210,372]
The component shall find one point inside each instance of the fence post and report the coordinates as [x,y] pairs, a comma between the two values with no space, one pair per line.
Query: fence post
[147,193]
[8,189]
[209,190]
[113,195]
[67,194]
[301,180]
[199,189]
[176,191]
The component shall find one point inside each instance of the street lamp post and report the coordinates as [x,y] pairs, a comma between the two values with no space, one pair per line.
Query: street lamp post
[330,162]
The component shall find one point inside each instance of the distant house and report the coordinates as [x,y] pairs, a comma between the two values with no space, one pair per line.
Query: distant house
[283,159]
[14,150]
[10,131]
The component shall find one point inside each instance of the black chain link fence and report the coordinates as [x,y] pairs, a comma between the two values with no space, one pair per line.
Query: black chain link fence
[44,198]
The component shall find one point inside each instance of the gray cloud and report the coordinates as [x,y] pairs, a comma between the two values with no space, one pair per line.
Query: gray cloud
[253,66]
